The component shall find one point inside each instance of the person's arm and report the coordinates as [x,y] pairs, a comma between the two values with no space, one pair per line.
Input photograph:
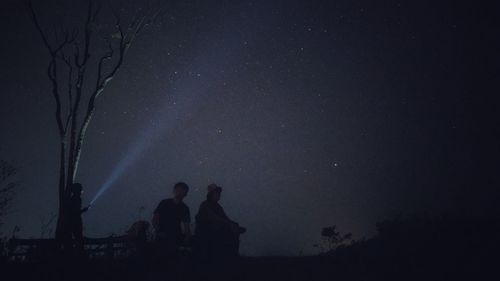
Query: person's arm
[185,224]
[235,227]
[212,217]
[186,229]
[84,209]
[156,220]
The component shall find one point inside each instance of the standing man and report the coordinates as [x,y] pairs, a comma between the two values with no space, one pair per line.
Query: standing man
[171,221]
[217,236]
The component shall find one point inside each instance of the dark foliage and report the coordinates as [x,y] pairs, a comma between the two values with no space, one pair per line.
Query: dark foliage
[332,239]
[443,248]
[7,185]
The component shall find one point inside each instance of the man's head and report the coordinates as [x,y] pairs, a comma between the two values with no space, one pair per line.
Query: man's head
[76,189]
[180,190]
[214,192]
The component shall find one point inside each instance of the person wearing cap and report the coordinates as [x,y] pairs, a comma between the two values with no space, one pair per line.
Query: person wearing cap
[216,234]
[171,221]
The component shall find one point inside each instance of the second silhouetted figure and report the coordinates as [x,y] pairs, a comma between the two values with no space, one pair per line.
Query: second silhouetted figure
[216,235]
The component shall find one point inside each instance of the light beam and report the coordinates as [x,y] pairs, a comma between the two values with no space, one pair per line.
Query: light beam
[191,91]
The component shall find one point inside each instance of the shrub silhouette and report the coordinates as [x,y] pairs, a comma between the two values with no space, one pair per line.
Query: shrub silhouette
[333,239]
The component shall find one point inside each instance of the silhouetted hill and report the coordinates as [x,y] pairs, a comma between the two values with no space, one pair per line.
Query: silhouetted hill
[424,247]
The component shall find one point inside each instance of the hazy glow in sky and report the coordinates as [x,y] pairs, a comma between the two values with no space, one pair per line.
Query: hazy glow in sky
[308,113]
[182,98]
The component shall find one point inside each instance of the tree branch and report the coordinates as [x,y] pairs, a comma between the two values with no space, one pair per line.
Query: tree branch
[52,67]
[70,88]
[87,36]
[38,27]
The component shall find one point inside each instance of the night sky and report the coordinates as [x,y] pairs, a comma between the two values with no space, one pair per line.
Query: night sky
[308,113]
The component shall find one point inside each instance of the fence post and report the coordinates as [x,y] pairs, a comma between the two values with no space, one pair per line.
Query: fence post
[109,249]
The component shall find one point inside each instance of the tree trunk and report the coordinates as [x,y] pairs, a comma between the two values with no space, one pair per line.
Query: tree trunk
[61,229]
[72,133]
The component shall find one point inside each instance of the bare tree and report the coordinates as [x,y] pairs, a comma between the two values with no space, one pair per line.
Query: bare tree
[7,185]
[72,56]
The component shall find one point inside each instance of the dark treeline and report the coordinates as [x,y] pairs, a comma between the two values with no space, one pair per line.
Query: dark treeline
[444,248]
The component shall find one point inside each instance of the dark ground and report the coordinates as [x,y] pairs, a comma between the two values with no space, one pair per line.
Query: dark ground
[269,268]
[404,249]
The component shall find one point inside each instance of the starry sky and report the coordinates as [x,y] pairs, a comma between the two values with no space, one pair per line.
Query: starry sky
[308,113]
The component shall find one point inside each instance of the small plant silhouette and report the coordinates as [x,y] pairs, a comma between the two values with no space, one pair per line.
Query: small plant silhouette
[332,239]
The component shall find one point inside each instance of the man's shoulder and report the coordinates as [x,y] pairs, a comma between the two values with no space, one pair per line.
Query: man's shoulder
[218,206]
[172,202]
[164,203]
[208,205]
[204,204]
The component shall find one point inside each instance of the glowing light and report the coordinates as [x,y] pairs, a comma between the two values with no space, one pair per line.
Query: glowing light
[189,92]
[187,101]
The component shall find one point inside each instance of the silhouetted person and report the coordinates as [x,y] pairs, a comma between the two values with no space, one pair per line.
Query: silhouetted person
[75,217]
[217,236]
[171,221]
[137,236]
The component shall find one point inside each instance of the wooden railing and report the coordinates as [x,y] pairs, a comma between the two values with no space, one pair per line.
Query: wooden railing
[36,249]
